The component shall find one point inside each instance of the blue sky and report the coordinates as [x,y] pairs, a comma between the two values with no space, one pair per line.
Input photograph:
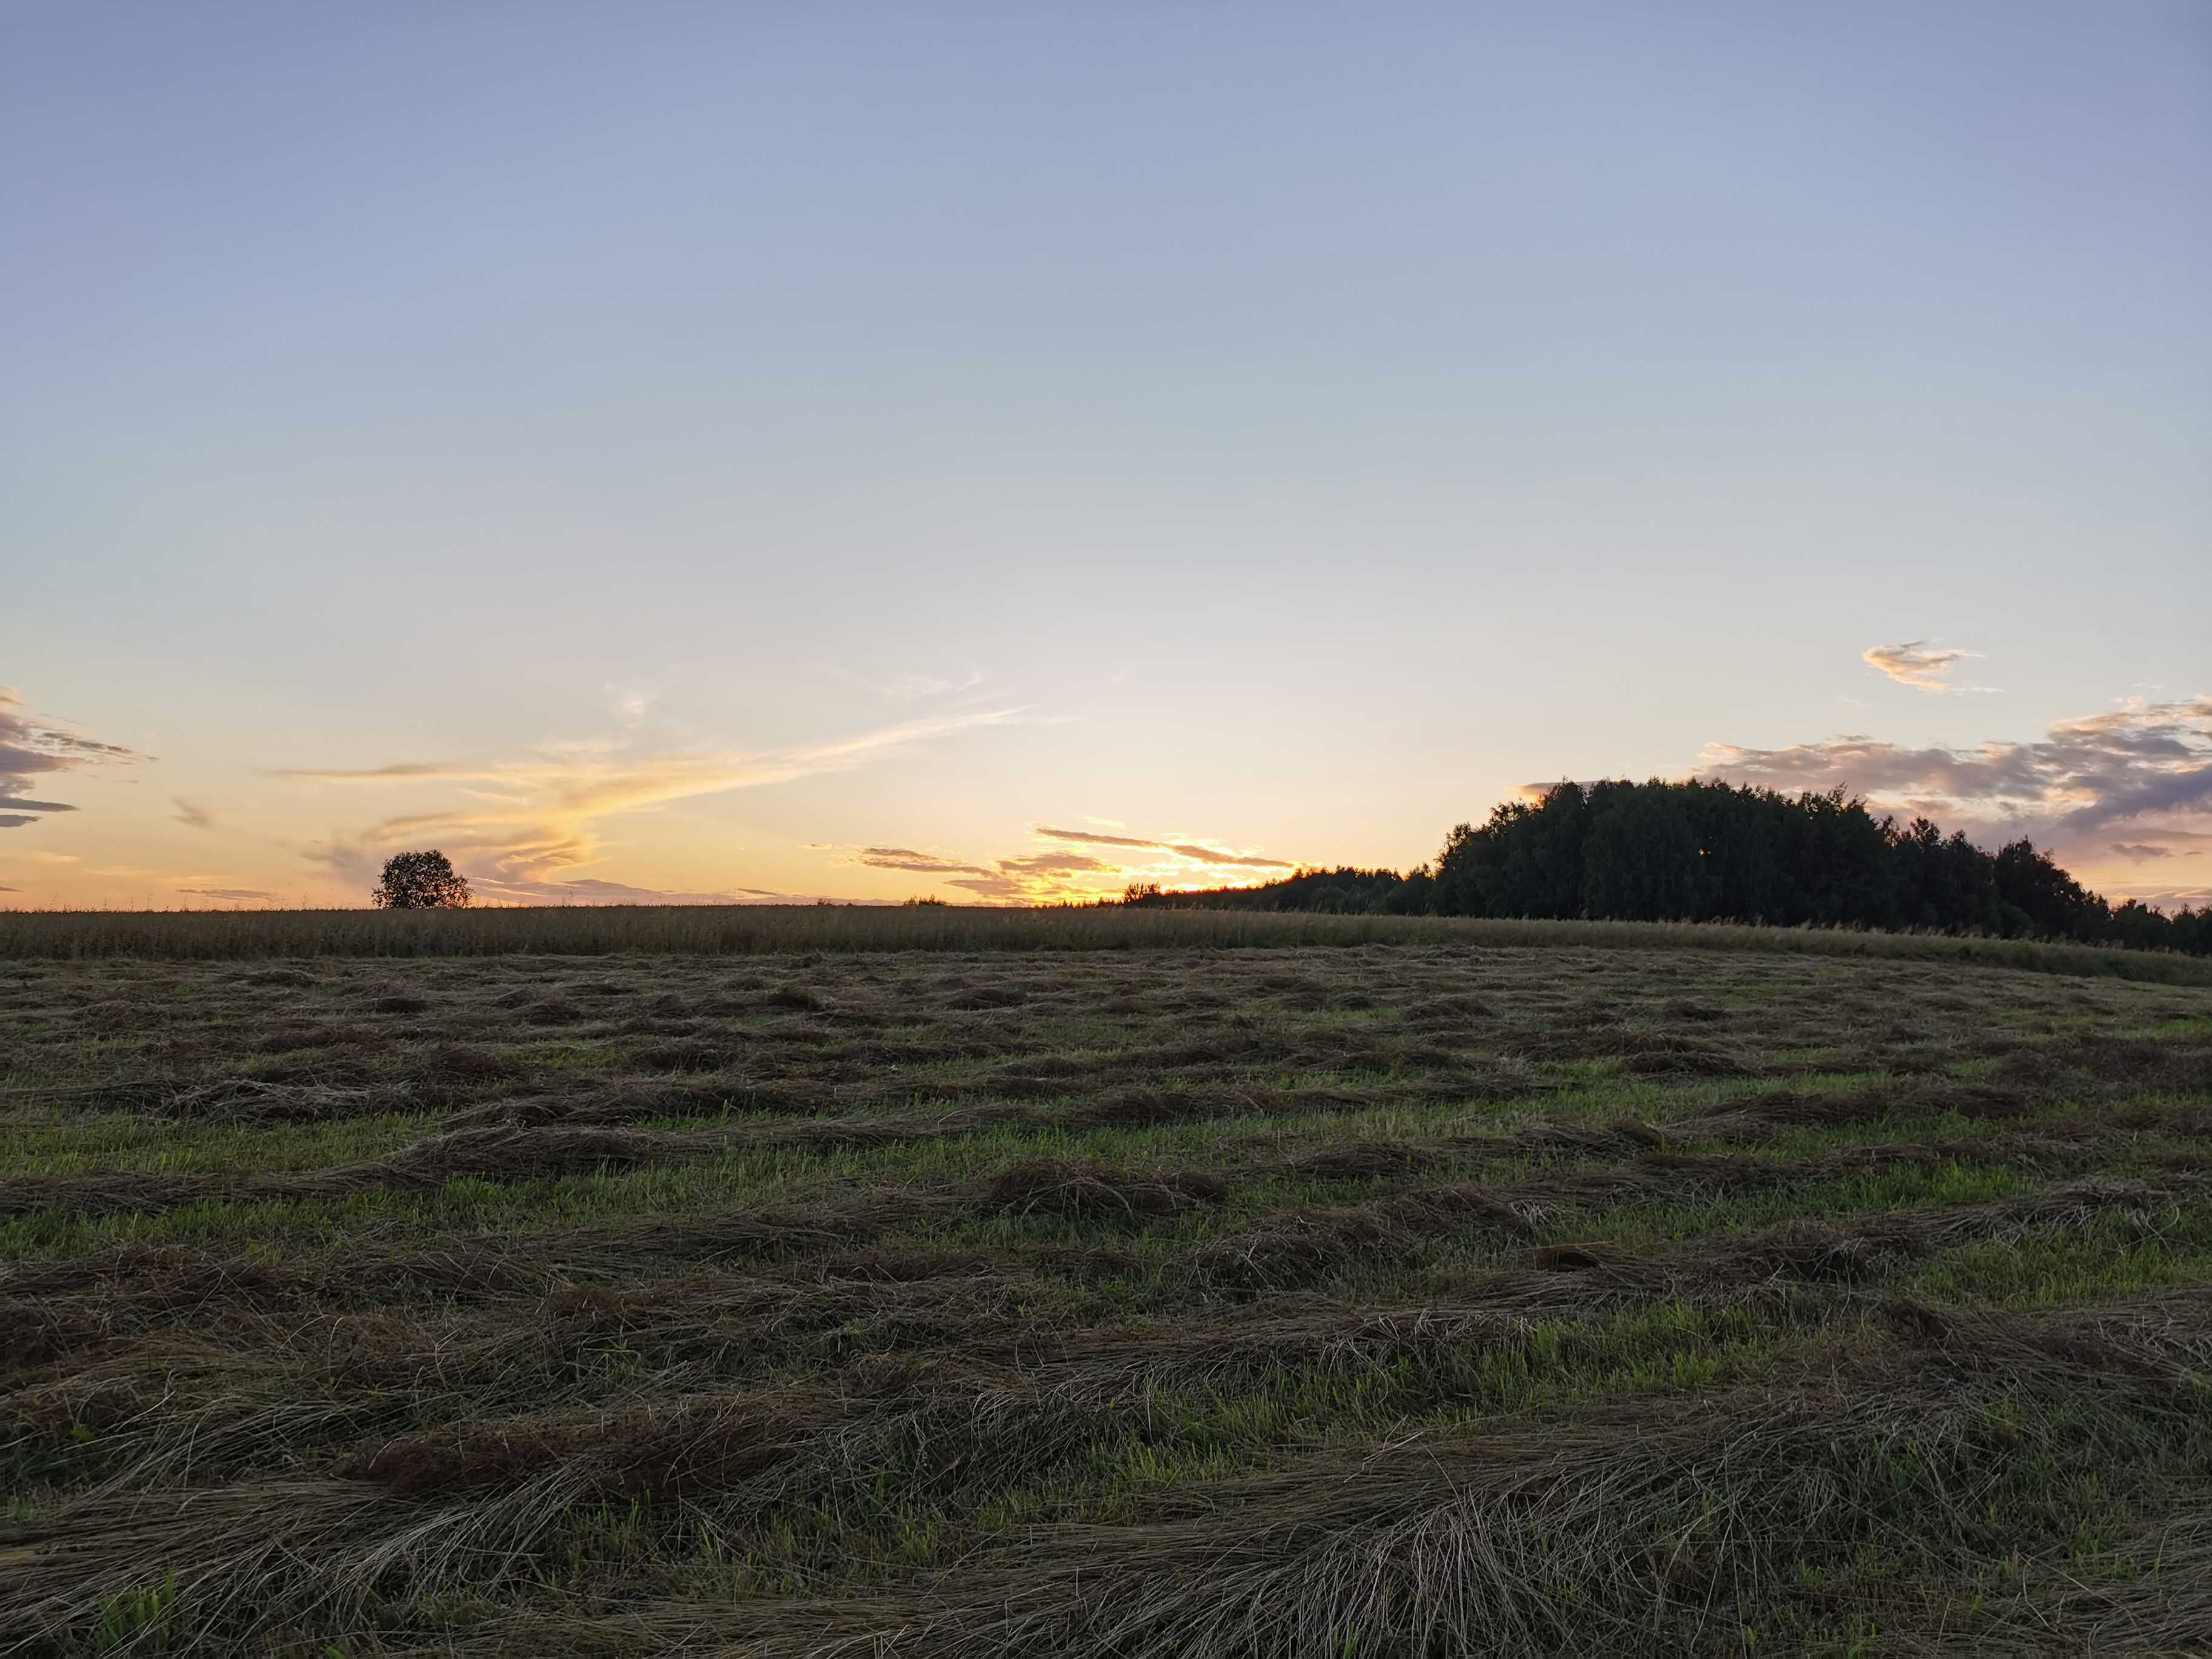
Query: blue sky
[705,444]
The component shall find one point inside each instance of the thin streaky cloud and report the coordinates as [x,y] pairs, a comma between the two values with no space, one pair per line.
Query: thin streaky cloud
[1011,890]
[402,771]
[1057,864]
[598,890]
[1091,837]
[915,861]
[531,819]
[1196,852]
[908,688]
[1083,867]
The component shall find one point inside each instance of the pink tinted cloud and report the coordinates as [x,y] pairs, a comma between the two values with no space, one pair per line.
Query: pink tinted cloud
[2133,783]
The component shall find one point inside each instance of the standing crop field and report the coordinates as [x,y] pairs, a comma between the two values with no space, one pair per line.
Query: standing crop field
[1415,1299]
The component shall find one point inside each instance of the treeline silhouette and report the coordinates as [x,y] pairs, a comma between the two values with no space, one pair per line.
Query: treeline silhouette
[1620,851]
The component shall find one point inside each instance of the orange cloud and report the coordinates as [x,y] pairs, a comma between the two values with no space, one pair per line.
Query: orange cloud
[530,820]
[1195,852]
[1920,665]
[1073,867]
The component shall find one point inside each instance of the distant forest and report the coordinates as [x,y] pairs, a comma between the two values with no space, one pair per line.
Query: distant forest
[1713,852]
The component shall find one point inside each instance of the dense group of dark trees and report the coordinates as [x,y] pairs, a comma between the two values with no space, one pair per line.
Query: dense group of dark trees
[1713,852]
[1343,891]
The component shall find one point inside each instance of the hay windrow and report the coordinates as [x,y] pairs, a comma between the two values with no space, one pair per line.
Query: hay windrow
[1093,1192]
[1648,1520]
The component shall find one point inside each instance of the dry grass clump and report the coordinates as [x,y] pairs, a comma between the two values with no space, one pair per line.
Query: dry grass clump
[1058,1188]
[1831,1109]
[684,1054]
[1304,1245]
[460,1066]
[698,1446]
[260,1100]
[1367,1160]
[2182,1068]
[1643,1051]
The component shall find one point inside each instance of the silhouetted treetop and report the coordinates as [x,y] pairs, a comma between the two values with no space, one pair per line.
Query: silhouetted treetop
[419,881]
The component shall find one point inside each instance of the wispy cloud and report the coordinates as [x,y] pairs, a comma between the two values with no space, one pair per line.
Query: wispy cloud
[592,890]
[1921,666]
[918,863]
[192,815]
[228,895]
[632,703]
[2133,783]
[398,772]
[1058,864]
[34,747]
[530,821]
[1072,864]
[2168,899]
[910,687]
[1196,852]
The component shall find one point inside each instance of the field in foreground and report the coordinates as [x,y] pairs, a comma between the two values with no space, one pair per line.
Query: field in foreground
[1392,1299]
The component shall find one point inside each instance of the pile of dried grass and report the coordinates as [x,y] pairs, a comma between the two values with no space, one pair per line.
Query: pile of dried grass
[1093,1192]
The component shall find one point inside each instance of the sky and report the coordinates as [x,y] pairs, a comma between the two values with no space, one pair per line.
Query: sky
[748,452]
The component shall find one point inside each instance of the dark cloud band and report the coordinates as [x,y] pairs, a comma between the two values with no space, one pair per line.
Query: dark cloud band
[29,749]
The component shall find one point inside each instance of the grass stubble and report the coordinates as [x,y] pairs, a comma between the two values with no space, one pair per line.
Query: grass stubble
[1422,1298]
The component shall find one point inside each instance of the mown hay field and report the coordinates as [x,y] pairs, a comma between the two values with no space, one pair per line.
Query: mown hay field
[1413,1298]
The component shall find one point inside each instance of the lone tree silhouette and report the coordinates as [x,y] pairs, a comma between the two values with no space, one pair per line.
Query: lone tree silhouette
[419,881]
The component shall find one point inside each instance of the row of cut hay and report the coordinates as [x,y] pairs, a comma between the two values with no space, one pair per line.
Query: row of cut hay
[1656,1525]
[1652,1517]
[136,1290]
[506,1151]
[499,1152]
[1090,1092]
[323,1377]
